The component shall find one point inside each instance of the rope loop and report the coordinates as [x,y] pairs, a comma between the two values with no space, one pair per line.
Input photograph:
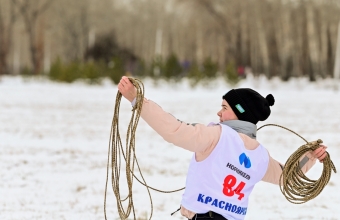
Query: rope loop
[294,185]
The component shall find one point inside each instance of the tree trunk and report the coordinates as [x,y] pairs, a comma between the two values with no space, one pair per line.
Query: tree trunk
[6,36]
[322,25]
[286,58]
[244,32]
[312,43]
[33,50]
[3,63]
[263,48]
[337,57]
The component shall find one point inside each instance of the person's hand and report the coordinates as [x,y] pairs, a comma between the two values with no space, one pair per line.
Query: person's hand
[127,89]
[320,153]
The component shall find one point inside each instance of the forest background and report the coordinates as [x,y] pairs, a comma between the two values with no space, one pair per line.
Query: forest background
[169,39]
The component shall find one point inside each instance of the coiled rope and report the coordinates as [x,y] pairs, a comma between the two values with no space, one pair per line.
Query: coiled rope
[294,185]
[115,152]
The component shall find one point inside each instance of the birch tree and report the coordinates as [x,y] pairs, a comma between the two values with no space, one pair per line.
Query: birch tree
[7,22]
[31,11]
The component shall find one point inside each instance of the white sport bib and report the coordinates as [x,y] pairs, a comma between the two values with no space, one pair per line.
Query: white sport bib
[223,182]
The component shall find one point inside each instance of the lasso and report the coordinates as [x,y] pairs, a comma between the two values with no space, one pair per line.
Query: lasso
[294,185]
[116,151]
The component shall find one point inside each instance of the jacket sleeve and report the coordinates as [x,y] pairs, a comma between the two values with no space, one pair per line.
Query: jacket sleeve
[195,138]
[274,170]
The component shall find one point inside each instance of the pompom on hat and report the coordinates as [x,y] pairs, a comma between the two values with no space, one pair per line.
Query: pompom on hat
[249,105]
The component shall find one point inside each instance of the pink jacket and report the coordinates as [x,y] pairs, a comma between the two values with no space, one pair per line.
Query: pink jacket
[202,140]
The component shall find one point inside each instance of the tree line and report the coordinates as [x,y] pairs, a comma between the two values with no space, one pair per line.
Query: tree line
[170,38]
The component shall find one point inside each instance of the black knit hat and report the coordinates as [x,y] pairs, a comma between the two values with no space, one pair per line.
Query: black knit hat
[249,105]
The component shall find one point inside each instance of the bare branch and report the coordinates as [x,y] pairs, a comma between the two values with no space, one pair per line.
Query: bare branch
[209,7]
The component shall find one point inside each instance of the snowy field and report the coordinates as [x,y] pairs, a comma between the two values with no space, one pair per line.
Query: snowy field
[54,147]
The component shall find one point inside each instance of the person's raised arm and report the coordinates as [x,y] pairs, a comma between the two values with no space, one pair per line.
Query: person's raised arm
[196,138]
[307,160]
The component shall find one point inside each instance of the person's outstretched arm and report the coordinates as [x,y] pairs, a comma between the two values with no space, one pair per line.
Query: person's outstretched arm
[195,138]
[307,161]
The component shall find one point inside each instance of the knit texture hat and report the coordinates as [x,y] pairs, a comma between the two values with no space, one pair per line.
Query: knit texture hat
[249,105]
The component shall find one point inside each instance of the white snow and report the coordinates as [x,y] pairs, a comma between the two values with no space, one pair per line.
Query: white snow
[54,146]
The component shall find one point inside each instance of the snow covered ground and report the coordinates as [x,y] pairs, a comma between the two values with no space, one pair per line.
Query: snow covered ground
[54,147]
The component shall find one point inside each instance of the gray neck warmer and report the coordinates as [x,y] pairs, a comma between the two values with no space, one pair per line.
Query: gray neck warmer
[243,127]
